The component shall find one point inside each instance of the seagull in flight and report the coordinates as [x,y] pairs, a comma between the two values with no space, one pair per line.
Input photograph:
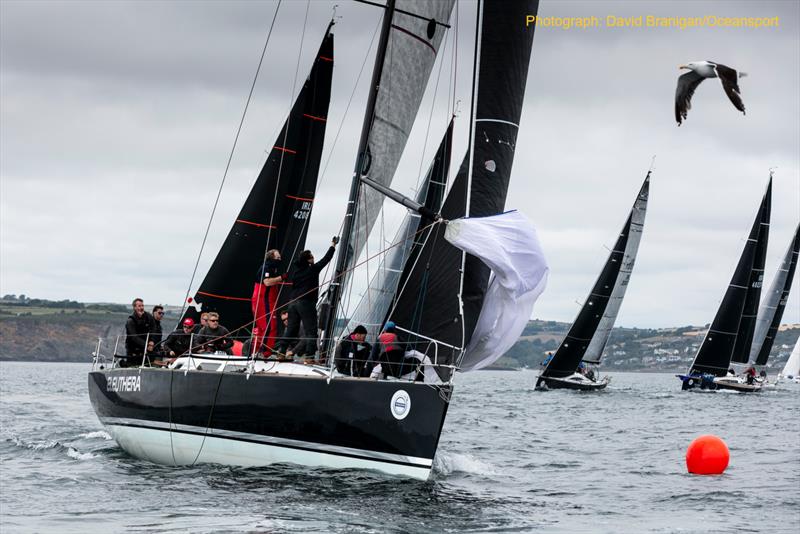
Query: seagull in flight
[699,71]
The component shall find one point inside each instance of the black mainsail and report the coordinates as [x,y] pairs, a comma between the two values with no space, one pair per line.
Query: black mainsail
[430,310]
[771,310]
[277,210]
[747,325]
[714,355]
[585,332]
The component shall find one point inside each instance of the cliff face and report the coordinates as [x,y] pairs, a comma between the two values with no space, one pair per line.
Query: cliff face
[64,337]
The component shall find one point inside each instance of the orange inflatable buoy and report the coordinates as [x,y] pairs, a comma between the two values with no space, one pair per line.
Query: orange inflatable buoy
[237,348]
[707,455]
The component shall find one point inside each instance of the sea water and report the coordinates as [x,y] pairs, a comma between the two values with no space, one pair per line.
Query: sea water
[510,459]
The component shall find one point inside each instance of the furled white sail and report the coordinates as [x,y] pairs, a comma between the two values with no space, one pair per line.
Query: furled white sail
[509,246]
[411,51]
[792,367]
[598,343]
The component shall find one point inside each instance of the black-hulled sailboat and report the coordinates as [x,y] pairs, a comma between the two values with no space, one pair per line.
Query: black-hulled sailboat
[574,364]
[239,411]
[731,333]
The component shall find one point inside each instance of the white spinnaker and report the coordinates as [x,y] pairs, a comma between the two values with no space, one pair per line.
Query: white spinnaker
[410,55]
[792,367]
[508,244]
[598,343]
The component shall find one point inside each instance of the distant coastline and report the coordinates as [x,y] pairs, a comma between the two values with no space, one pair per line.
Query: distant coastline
[67,331]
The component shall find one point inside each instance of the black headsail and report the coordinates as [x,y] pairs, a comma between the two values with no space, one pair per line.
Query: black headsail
[771,310]
[429,308]
[276,212]
[744,337]
[714,355]
[583,331]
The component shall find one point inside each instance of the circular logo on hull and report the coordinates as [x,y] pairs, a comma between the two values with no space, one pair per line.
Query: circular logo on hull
[400,406]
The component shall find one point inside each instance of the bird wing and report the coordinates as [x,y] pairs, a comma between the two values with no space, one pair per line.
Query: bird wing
[687,83]
[730,83]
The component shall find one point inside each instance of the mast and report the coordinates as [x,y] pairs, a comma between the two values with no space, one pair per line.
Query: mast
[343,259]
[771,311]
[410,39]
[714,355]
[747,325]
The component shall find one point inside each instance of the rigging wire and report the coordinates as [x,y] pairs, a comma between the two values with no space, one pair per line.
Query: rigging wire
[230,157]
[259,296]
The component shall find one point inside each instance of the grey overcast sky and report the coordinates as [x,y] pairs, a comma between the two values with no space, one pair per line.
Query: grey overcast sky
[116,120]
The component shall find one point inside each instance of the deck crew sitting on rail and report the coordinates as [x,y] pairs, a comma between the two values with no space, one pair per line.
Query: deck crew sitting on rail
[157,333]
[179,341]
[214,337]
[389,353]
[137,328]
[353,353]
[202,324]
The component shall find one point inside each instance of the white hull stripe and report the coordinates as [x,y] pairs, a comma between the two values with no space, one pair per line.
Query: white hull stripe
[279,442]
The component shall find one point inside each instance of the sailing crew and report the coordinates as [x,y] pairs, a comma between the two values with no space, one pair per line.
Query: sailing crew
[203,322]
[391,354]
[750,374]
[265,298]
[214,337]
[353,353]
[179,341]
[303,307]
[137,327]
[156,334]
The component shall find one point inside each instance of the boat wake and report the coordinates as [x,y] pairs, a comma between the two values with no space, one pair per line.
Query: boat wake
[97,434]
[445,464]
[53,445]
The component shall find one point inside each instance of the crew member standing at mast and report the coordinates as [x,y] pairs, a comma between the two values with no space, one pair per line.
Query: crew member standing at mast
[265,300]
[303,307]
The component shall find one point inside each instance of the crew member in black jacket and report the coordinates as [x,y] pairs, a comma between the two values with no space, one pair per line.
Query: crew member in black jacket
[353,353]
[303,307]
[139,324]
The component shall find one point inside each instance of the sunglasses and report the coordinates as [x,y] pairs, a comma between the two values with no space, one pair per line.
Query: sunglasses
[213,320]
